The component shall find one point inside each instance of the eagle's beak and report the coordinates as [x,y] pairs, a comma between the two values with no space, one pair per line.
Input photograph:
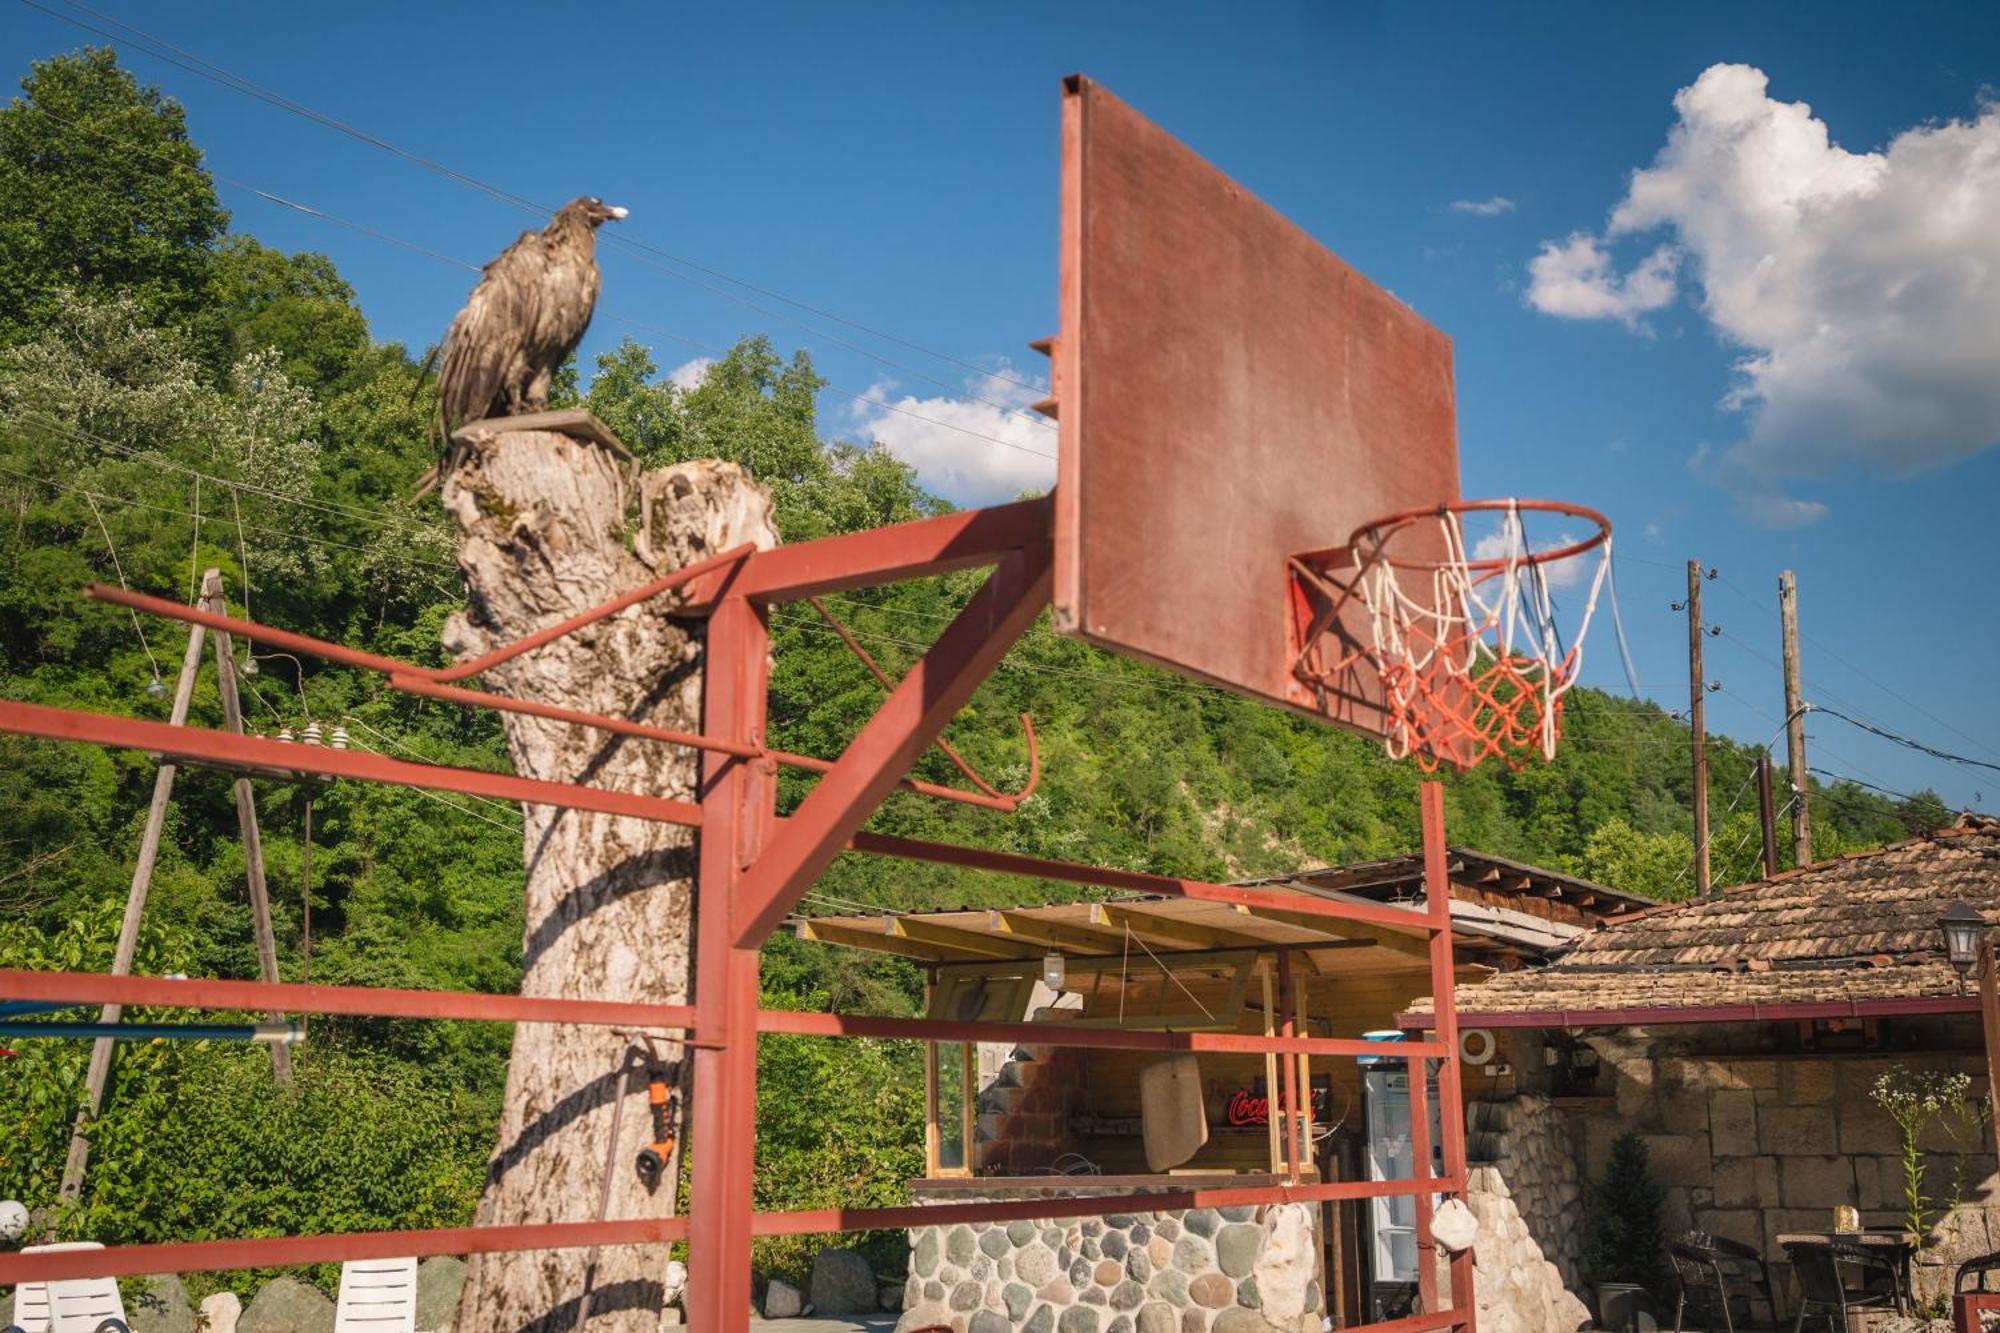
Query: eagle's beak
[617,213]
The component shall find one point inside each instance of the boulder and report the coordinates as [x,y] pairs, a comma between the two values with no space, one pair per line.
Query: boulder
[220,1313]
[287,1305]
[843,1281]
[439,1280]
[161,1306]
[782,1300]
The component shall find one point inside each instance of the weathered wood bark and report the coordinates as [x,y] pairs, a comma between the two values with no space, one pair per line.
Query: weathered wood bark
[544,534]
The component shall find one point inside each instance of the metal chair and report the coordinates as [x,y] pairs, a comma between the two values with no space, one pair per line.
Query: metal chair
[1836,1277]
[1713,1277]
[1976,1269]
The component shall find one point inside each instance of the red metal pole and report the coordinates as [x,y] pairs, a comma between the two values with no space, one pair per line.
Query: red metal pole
[909,720]
[737,813]
[1437,898]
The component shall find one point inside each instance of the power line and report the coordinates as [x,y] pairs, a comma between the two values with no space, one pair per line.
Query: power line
[1905,741]
[183,513]
[79,434]
[867,399]
[1820,647]
[207,69]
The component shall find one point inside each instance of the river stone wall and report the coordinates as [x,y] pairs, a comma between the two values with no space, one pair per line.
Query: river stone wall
[1523,1186]
[1212,1270]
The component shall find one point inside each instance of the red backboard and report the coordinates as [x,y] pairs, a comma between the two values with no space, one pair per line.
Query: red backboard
[1229,393]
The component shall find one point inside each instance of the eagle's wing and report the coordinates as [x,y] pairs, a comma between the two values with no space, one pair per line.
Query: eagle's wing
[490,331]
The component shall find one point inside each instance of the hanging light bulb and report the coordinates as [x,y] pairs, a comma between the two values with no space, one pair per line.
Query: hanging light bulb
[156,688]
[1054,971]
[312,736]
[340,736]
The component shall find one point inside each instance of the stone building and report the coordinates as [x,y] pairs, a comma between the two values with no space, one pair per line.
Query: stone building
[1742,1035]
[1014,1123]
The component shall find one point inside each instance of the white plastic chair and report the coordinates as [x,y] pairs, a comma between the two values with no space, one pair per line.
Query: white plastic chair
[377,1296]
[78,1305]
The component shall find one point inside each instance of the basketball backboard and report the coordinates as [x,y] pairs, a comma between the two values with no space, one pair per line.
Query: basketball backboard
[1228,393]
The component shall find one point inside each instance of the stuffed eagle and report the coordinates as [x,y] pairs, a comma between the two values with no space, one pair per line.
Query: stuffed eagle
[522,321]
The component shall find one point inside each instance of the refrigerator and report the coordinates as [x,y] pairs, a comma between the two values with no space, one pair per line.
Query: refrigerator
[1390,1242]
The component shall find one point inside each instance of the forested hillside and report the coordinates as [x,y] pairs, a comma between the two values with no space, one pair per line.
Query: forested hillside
[174,396]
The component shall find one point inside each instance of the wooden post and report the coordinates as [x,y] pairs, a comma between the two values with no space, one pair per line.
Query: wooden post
[1270,1068]
[1795,718]
[246,820]
[1767,817]
[1698,687]
[128,929]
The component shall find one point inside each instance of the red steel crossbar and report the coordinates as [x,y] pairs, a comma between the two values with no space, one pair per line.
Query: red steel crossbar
[753,869]
[1968,1306]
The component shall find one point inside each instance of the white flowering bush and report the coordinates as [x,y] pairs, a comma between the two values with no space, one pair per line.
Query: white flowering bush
[1914,1098]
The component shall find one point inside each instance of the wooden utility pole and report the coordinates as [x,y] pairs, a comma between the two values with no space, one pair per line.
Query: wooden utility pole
[99,1072]
[1697,687]
[1795,718]
[1767,816]
[246,819]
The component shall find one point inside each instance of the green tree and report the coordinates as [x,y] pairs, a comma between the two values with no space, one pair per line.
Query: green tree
[101,189]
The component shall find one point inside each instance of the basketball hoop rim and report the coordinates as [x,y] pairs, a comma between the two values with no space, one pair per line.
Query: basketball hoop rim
[1385,528]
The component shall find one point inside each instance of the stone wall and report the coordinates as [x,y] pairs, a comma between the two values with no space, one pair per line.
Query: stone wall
[1750,1145]
[1523,1186]
[1228,1270]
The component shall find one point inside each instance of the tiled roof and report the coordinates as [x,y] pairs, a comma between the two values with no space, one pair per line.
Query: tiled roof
[1857,927]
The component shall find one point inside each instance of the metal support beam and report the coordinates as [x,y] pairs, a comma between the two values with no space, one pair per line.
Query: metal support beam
[736,811]
[1444,981]
[912,717]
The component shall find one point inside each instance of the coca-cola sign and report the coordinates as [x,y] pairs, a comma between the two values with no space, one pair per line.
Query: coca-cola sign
[1252,1105]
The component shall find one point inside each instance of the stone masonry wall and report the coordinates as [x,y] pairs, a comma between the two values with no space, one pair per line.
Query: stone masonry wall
[1751,1146]
[1227,1270]
[1523,1187]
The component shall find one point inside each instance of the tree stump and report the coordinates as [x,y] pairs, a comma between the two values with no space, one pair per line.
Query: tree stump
[545,533]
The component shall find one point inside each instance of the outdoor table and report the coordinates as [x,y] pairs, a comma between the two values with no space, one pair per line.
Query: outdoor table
[1892,1242]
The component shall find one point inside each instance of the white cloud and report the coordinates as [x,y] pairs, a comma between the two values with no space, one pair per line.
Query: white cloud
[1561,574]
[688,374]
[1864,288]
[1484,208]
[979,449]
[1573,278]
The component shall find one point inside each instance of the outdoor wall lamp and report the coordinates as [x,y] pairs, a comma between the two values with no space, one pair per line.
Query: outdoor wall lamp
[1054,971]
[1964,931]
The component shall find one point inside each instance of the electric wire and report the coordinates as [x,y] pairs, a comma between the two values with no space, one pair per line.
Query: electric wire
[1905,741]
[867,399]
[119,567]
[207,69]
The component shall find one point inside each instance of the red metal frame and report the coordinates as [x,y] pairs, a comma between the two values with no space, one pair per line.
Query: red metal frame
[753,869]
[1787,1011]
[1967,1306]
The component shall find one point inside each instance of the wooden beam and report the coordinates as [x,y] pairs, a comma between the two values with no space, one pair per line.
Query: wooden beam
[1164,929]
[1392,940]
[958,938]
[1064,935]
[850,938]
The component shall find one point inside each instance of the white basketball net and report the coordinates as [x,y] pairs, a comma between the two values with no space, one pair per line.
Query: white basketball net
[1472,661]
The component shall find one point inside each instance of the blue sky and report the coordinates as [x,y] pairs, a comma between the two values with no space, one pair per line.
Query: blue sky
[897,166]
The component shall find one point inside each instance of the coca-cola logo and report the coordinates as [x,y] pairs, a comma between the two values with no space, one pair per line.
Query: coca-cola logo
[1247,1106]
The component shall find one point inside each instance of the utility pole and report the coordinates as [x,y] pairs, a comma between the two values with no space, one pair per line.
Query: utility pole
[1697,687]
[99,1072]
[246,820]
[1795,718]
[1767,816]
